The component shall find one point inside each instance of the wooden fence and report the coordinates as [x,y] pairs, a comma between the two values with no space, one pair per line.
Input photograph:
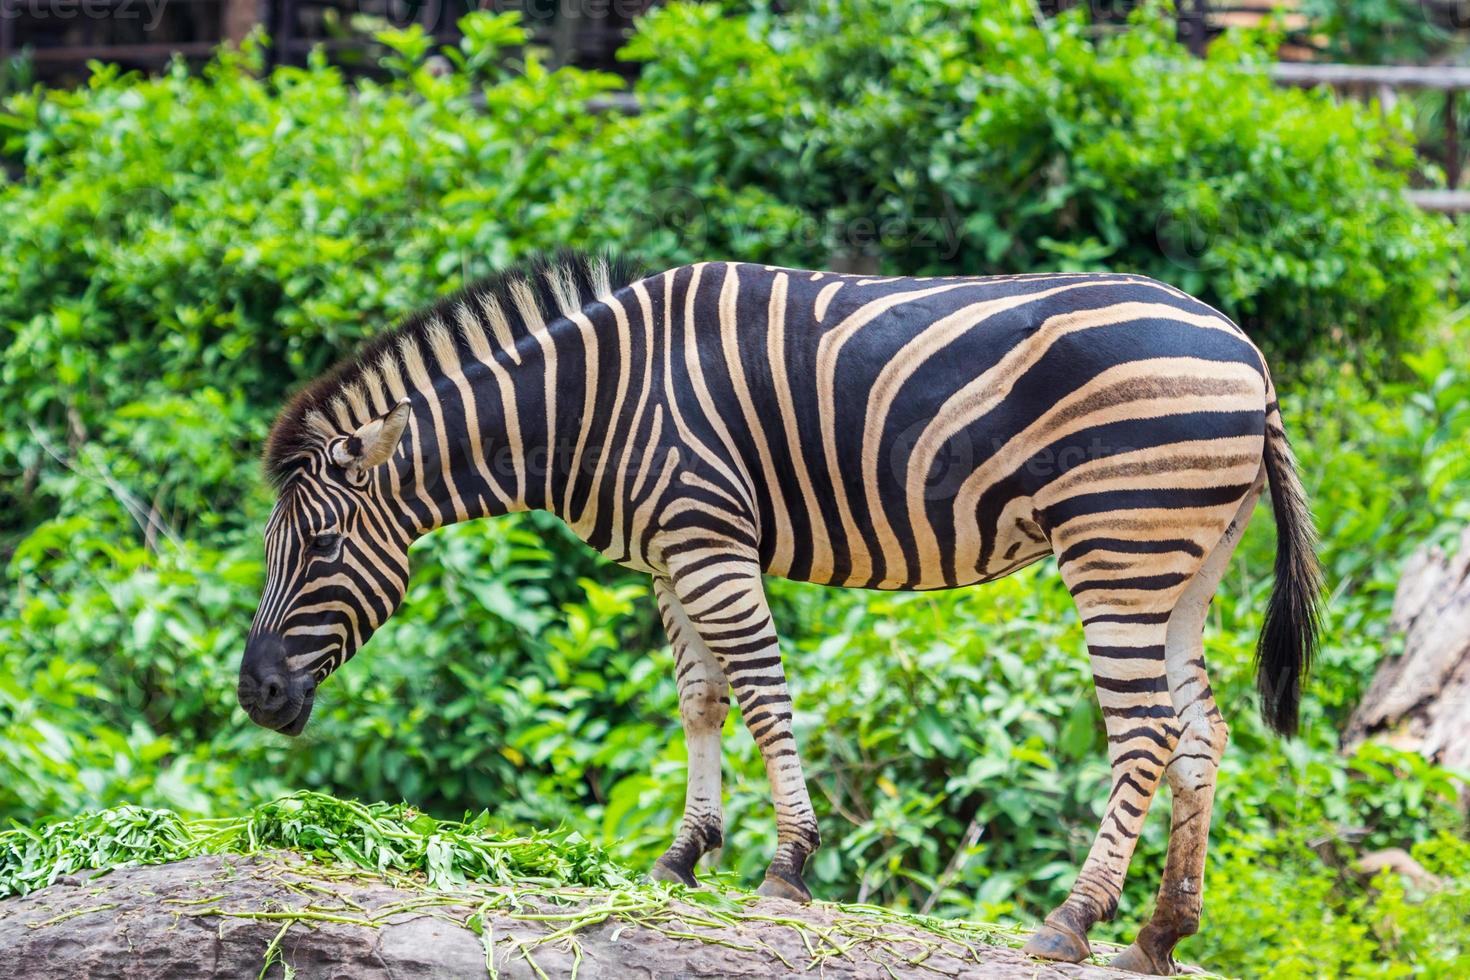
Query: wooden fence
[1385,82]
[59,37]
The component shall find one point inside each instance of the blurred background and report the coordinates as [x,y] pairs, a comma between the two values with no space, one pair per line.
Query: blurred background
[206,202]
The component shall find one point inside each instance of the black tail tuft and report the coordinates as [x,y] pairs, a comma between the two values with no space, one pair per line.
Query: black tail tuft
[1293,615]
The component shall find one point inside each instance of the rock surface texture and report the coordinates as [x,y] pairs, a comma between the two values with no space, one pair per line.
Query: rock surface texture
[1420,700]
[228,916]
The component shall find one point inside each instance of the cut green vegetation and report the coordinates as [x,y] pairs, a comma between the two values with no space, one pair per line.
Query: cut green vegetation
[376,837]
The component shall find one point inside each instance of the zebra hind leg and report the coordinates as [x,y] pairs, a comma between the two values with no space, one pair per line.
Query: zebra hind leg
[704,702]
[1193,767]
[1127,575]
[1127,650]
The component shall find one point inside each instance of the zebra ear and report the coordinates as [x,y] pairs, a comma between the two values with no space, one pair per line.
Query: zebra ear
[373,443]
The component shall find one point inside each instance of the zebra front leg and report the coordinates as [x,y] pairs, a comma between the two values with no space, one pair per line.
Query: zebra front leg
[1128,670]
[704,702]
[726,605]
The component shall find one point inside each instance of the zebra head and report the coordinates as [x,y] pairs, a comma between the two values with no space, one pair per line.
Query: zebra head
[336,569]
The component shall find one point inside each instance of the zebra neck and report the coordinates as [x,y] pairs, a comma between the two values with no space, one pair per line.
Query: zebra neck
[505,430]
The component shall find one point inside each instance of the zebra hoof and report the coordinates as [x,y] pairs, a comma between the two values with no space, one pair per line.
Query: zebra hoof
[674,876]
[1138,960]
[779,886]
[1054,941]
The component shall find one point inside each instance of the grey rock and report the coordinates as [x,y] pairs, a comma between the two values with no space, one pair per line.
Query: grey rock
[175,921]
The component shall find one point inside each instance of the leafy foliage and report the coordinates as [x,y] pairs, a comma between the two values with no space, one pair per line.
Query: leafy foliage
[1390,928]
[179,252]
[945,138]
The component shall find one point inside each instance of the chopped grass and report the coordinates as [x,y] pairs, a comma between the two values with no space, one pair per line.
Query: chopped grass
[376,837]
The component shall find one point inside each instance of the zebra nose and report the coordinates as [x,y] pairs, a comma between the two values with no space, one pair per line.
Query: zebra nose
[264,688]
[271,695]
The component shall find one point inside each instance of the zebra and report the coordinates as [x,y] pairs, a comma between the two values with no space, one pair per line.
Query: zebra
[722,421]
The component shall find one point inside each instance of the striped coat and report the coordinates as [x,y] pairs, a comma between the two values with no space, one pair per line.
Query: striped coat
[721,421]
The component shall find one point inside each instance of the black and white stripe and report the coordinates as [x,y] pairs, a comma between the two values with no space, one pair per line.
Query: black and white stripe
[721,421]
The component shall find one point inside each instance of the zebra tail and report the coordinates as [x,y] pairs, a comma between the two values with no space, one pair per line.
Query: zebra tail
[1288,639]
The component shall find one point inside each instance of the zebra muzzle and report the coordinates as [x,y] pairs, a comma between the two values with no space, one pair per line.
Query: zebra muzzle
[273,697]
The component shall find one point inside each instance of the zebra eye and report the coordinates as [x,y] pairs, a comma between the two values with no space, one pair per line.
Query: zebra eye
[325,545]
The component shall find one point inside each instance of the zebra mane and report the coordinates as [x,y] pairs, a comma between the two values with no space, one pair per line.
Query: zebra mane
[491,314]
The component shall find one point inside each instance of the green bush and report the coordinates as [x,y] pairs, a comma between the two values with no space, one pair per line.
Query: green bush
[1386,927]
[946,138]
[238,233]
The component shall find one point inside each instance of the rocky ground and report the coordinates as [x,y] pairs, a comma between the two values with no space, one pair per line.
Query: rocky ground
[230,916]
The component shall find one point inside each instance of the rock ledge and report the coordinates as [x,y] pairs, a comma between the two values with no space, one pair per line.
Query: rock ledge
[227,916]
